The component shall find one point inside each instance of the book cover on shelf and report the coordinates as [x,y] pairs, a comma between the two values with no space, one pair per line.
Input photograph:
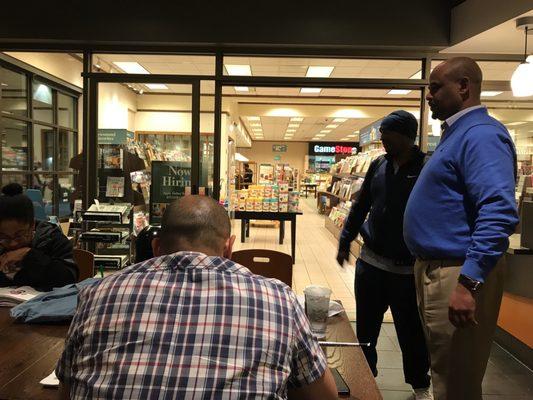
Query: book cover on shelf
[115,186]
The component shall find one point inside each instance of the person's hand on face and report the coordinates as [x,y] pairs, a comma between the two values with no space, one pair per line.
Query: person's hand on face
[10,261]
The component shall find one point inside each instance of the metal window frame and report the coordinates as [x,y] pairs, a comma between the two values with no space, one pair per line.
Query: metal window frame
[94,79]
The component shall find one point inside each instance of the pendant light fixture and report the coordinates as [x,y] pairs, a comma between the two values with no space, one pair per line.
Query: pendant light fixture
[522,79]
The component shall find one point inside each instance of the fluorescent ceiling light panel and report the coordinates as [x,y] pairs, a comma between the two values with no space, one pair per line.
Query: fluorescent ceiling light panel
[242,89]
[156,86]
[291,130]
[319,72]
[351,136]
[325,131]
[331,126]
[515,123]
[315,138]
[490,93]
[320,135]
[344,139]
[297,119]
[131,67]
[293,126]
[256,124]
[399,91]
[241,70]
[253,118]
[340,120]
[310,90]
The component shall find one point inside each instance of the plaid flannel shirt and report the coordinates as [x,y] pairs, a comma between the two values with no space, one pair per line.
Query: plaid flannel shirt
[188,326]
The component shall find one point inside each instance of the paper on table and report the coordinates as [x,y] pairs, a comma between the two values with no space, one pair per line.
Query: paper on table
[51,380]
[334,307]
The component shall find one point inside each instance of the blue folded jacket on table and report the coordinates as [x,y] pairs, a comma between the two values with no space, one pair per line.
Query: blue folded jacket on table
[55,306]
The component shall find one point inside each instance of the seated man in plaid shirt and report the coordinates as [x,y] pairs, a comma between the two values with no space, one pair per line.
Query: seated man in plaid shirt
[191,324]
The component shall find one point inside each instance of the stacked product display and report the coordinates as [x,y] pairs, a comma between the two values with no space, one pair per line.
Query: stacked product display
[266,198]
[339,213]
[357,164]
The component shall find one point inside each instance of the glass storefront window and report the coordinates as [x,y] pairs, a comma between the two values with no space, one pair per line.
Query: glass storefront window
[66,111]
[43,148]
[21,179]
[67,148]
[154,64]
[43,103]
[322,67]
[13,93]
[14,145]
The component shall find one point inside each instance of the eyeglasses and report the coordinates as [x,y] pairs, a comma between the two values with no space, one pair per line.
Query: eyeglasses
[6,240]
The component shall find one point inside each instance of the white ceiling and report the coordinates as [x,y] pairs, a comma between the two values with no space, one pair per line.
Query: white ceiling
[502,39]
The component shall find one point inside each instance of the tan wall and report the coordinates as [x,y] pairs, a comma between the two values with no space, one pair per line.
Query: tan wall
[261,152]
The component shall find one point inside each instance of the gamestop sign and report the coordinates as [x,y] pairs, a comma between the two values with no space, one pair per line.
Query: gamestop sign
[331,149]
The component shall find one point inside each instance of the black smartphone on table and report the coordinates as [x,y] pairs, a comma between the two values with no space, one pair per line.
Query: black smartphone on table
[342,387]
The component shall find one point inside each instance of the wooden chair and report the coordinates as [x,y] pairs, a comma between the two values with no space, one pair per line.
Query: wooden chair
[85,262]
[268,263]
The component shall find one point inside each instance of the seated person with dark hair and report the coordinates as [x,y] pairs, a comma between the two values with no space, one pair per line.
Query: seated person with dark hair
[191,323]
[33,253]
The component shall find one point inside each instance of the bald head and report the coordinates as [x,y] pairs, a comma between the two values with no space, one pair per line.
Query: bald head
[454,85]
[195,223]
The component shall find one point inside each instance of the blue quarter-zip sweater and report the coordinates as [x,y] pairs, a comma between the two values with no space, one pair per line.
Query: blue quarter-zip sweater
[463,204]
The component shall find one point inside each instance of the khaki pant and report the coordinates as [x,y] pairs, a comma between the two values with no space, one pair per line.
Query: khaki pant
[459,356]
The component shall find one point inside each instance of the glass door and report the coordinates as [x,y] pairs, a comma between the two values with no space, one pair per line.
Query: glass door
[148,147]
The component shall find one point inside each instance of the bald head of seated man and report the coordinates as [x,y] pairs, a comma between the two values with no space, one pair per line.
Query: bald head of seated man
[190,322]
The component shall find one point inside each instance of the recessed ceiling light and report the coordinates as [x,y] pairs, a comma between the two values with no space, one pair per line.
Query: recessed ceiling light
[399,91]
[344,139]
[242,70]
[310,90]
[490,93]
[293,126]
[241,89]
[291,130]
[515,123]
[131,67]
[325,131]
[319,72]
[297,119]
[351,136]
[315,138]
[331,126]
[156,86]
[255,124]
[4,84]
[340,120]
[253,118]
[320,135]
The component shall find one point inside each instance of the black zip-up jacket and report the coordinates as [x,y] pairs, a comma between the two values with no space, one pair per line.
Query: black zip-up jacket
[384,195]
[49,263]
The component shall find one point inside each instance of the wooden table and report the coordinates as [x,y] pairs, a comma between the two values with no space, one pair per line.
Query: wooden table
[246,216]
[350,361]
[29,353]
[307,186]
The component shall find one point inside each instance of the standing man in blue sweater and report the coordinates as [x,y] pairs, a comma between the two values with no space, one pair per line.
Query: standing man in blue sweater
[457,223]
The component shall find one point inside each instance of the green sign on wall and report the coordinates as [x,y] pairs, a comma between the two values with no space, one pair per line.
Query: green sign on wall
[279,148]
[170,180]
[114,136]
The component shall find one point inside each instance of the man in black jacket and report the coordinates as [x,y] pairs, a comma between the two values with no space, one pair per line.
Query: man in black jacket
[384,271]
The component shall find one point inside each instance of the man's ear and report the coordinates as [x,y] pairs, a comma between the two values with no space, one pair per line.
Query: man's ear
[228,247]
[156,247]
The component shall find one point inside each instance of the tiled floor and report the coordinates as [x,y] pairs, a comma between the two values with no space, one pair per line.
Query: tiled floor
[505,379]
[315,254]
